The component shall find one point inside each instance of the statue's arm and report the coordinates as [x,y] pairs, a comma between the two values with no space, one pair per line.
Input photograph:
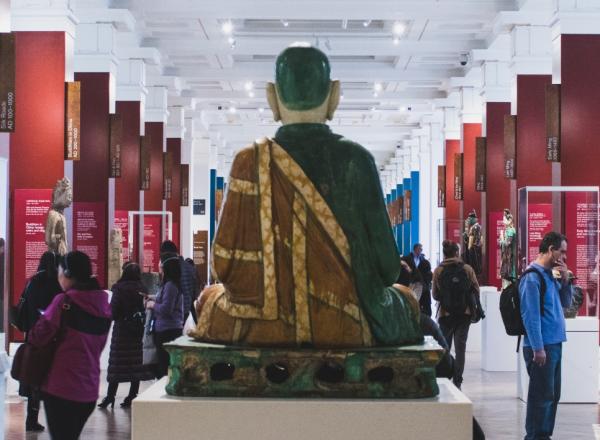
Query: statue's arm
[379,228]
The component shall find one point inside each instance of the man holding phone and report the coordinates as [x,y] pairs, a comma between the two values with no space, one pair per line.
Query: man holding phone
[545,333]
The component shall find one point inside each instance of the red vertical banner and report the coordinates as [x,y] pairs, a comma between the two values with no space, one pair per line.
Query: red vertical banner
[458,176]
[495,226]
[441,186]
[185,185]
[553,122]
[539,223]
[122,222]
[480,165]
[152,238]
[167,175]
[89,226]
[145,156]
[510,146]
[30,212]
[116,140]
[7,82]
[581,229]
[73,120]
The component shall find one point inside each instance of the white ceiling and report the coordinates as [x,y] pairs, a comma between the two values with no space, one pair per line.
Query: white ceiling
[389,80]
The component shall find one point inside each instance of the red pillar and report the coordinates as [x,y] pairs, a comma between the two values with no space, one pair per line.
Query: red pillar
[498,187]
[154,196]
[37,145]
[174,204]
[452,219]
[90,173]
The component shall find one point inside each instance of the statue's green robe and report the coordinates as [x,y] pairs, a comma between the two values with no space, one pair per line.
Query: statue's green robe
[304,249]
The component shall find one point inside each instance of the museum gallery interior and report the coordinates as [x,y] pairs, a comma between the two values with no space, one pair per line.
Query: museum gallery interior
[299,219]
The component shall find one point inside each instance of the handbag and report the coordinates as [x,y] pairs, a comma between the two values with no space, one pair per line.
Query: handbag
[477,312]
[31,364]
[149,350]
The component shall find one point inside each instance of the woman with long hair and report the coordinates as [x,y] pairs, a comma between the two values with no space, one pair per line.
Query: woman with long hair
[167,309]
[80,319]
[125,363]
[39,293]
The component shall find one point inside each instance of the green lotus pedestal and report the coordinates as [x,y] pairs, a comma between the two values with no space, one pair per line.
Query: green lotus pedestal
[199,370]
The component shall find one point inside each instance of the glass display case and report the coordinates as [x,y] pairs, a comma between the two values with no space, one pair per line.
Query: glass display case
[572,211]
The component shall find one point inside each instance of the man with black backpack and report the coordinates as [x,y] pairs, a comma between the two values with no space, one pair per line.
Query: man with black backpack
[542,298]
[456,288]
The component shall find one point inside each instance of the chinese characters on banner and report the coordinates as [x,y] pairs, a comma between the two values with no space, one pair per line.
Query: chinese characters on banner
[495,253]
[581,228]
[89,230]
[539,223]
[30,212]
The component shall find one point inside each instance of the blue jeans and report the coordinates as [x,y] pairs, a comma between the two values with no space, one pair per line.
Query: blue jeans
[544,392]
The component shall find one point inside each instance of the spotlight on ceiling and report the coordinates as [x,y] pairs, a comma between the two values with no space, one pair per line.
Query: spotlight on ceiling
[248,86]
[399,28]
[227,27]
[231,42]
[396,41]
[251,94]
[378,87]
[285,23]
[232,110]
[402,109]
[366,23]
[260,109]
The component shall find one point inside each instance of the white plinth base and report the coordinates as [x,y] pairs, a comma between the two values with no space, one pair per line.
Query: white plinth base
[579,363]
[498,350]
[158,416]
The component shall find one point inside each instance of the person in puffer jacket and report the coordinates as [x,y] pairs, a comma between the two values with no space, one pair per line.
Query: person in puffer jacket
[79,319]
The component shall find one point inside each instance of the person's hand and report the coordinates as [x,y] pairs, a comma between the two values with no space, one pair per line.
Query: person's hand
[561,267]
[150,304]
[539,357]
[405,265]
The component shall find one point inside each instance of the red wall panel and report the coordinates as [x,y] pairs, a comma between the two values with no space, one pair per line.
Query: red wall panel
[153,196]
[498,187]
[532,167]
[472,198]
[580,99]
[174,204]
[127,194]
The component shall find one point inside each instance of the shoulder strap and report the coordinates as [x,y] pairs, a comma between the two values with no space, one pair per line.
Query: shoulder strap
[542,286]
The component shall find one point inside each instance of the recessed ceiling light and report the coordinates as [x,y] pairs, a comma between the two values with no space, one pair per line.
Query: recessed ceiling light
[260,109]
[399,28]
[285,23]
[373,109]
[248,86]
[227,27]
[402,109]
[396,41]
[366,23]
[251,94]
[378,87]
[232,109]
[342,97]
[375,94]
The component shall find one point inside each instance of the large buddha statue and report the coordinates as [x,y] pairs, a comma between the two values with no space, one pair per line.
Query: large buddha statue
[304,252]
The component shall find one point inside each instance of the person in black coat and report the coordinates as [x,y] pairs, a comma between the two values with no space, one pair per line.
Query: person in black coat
[38,294]
[125,362]
[420,269]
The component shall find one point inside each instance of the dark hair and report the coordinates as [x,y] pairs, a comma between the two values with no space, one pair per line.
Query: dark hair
[553,239]
[49,264]
[131,272]
[171,268]
[450,249]
[416,245]
[77,266]
[190,262]
[168,246]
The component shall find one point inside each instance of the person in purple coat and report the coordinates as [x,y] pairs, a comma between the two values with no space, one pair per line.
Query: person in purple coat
[168,309]
[80,319]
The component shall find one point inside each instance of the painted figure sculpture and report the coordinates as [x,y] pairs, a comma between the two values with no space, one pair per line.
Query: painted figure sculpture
[305,261]
[304,251]
[472,240]
[56,223]
[508,250]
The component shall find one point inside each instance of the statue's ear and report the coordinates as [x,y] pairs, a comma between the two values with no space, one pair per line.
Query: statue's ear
[273,102]
[334,99]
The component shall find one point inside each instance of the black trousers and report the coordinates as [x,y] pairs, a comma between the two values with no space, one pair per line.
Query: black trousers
[66,418]
[456,328]
[134,387]
[160,338]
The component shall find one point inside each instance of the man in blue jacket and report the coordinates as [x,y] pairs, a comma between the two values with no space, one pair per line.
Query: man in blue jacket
[545,333]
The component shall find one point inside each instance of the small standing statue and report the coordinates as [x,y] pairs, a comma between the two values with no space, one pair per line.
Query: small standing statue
[472,243]
[56,223]
[115,255]
[508,250]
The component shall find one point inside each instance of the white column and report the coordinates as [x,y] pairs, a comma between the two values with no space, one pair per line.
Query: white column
[437,157]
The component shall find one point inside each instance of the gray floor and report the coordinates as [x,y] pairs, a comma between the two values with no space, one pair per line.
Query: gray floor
[502,415]
[499,412]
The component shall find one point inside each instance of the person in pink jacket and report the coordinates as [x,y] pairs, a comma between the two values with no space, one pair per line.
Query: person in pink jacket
[71,389]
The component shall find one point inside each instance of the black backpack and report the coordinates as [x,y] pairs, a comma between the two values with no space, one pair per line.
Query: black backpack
[455,289]
[510,305]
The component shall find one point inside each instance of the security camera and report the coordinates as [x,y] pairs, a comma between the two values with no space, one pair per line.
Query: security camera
[464,59]
[219,107]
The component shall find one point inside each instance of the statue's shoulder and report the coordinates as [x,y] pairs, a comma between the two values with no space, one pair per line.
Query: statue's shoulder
[244,163]
[355,152]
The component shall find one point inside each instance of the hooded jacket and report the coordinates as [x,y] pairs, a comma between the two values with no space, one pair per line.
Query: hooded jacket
[75,371]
